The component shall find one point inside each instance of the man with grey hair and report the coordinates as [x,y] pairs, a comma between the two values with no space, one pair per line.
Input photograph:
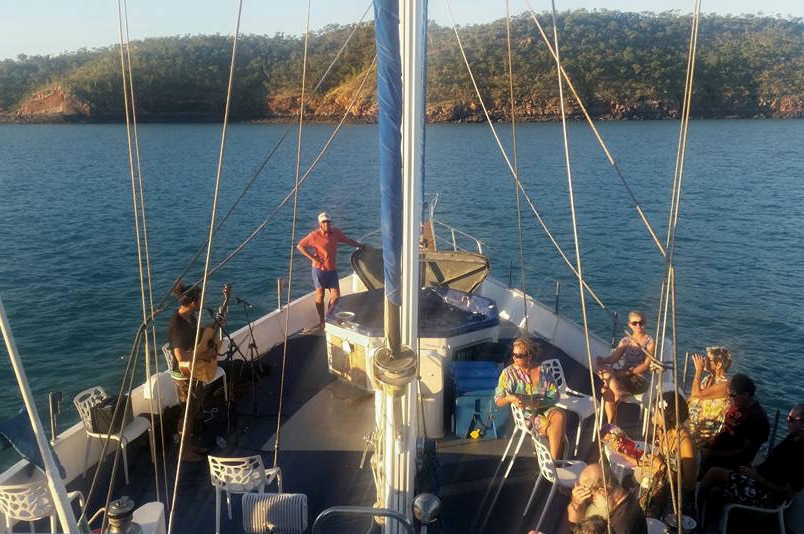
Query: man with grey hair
[591,497]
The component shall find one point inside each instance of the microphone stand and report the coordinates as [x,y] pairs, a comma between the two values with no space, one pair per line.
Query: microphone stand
[253,355]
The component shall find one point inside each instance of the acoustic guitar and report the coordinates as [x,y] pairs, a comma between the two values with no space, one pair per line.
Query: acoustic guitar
[208,340]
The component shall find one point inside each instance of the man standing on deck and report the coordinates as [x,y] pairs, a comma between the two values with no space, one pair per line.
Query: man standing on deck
[323,242]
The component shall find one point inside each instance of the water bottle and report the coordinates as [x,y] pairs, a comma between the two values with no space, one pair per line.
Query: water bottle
[221,442]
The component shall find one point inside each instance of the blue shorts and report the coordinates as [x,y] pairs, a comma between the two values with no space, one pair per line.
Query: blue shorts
[325,279]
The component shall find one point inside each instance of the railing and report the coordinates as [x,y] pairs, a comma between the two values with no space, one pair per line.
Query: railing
[361,511]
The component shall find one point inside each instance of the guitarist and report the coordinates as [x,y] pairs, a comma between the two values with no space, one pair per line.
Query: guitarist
[181,333]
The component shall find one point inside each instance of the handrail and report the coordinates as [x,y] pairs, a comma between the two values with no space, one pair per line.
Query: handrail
[480,244]
[363,511]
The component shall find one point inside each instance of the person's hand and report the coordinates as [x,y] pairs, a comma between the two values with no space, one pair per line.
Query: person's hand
[699,361]
[516,401]
[581,496]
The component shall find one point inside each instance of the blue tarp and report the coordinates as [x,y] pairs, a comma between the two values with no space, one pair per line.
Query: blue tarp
[17,432]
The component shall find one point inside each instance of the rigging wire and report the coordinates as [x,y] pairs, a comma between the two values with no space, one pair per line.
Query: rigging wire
[219,172]
[130,365]
[304,177]
[292,237]
[268,157]
[599,137]
[516,164]
[577,242]
[508,161]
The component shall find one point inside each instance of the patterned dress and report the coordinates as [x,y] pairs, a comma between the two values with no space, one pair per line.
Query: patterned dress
[517,381]
[707,415]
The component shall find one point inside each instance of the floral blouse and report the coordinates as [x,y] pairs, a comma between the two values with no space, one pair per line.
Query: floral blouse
[707,415]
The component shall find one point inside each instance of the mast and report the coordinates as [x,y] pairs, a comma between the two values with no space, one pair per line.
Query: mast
[54,482]
[400,90]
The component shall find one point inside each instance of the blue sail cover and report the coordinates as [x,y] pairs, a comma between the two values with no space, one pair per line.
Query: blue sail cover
[389,97]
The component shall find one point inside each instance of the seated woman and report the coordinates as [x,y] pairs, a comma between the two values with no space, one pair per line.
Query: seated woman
[768,485]
[636,352]
[675,449]
[525,377]
[709,398]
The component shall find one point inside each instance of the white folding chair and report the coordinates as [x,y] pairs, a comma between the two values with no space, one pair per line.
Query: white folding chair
[779,511]
[521,429]
[88,399]
[219,373]
[562,473]
[574,401]
[239,475]
[31,502]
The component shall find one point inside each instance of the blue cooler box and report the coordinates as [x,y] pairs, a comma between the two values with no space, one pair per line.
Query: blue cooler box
[476,410]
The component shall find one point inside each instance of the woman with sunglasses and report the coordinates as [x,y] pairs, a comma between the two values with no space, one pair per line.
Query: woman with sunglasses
[623,372]
[530,386]
[709,398]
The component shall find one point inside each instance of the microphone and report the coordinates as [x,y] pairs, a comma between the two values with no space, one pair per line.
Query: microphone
[243,302]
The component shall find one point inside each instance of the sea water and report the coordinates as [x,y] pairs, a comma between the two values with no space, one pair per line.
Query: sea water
[70,282]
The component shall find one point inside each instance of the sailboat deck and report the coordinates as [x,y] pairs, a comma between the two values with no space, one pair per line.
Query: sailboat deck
[321,447]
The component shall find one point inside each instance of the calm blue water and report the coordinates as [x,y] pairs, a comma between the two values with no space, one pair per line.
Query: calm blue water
[68,264]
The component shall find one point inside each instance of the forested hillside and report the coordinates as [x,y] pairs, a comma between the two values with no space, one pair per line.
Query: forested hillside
[625,65]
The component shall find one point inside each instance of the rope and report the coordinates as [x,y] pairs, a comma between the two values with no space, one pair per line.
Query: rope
[516,165]
[598,136]
[126,69]
[206,262]
[292,238]
[510,166]
[577,242]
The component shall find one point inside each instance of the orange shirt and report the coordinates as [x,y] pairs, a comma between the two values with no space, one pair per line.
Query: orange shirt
[325,245]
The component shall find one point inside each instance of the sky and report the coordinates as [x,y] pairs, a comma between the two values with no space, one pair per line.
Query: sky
[50,27]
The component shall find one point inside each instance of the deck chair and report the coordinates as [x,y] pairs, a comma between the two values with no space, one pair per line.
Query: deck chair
[239,476]
[573,401]
[520,429]
[219,373]
[88,399]
[779,511]
[562,473]
[31,502]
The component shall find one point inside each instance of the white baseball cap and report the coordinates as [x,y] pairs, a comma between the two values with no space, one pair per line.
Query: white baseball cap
[324,216]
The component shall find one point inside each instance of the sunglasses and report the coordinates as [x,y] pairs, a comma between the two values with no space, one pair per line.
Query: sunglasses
[519,354]
[635,323]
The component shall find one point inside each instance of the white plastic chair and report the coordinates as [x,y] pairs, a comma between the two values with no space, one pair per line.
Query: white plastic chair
[31,502]
[521,429]
[562,473]
[643,401]
[88,399]
[239,475]
[574,401]
[219,373]
[779,511]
